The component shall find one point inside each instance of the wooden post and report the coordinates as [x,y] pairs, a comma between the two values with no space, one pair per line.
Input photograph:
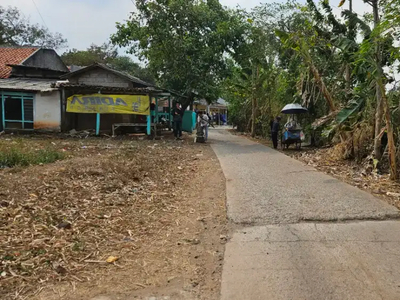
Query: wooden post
[156,111]
[170,112]
[97,124]
[3,112]
[63,104]
[149,125]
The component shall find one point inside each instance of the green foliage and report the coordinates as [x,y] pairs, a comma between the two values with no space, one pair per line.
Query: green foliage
[16,30]
[303,45]
[352,107]
[104,54]
[16,157]
[185,42]
[275,54]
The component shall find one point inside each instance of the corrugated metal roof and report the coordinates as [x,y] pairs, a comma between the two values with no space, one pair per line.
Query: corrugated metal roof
[13,56]
[201,102]
[27,84]
[74,68]
[107,68]
[83,87]
[132,78]
[222,102]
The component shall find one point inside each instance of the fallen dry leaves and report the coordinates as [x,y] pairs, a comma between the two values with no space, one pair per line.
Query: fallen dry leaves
[64,221]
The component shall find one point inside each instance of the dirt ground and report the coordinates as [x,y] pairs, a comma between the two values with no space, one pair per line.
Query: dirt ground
[348,171]
[154,209]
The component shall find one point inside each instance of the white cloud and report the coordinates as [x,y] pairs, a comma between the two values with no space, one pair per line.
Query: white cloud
[84,22]
[81,22]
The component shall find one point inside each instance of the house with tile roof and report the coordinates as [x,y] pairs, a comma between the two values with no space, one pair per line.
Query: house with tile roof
[38,92]
[28,100]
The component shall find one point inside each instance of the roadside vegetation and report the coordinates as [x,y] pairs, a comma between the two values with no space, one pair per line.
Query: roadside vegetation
[15,157]
[340,65]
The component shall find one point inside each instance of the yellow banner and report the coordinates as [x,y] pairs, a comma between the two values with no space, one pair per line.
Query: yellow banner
[109,104]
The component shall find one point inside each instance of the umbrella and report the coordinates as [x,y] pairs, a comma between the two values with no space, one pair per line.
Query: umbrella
[294,108]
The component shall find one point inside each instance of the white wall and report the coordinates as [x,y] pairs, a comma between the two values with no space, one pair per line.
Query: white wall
[47,111]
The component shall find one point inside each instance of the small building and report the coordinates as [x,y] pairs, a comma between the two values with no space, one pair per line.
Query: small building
[100,98]
[28,101]
[218,109]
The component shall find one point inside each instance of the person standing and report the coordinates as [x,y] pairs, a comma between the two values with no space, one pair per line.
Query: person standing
[178,121]
[275,131]
[203,121]
[152,111]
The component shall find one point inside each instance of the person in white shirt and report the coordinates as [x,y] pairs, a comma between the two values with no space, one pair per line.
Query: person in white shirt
[203,120]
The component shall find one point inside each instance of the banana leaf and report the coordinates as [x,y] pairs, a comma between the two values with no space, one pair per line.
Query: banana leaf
[352,107]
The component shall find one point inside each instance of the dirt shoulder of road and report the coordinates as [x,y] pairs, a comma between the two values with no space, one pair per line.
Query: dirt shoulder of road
[348,171]
[154,209]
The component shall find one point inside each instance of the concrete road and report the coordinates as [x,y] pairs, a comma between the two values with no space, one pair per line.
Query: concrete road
[289,246]
[265,186]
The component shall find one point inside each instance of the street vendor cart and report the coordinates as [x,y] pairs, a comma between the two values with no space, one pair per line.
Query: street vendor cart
[292,132]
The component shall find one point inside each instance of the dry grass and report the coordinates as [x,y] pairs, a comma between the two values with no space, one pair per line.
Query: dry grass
[61,222]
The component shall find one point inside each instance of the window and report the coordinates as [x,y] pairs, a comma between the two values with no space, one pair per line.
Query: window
[17,110]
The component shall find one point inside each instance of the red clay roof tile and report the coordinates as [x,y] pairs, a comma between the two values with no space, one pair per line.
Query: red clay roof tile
[13,56]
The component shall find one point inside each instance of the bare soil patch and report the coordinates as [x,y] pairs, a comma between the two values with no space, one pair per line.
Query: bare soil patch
[154,209]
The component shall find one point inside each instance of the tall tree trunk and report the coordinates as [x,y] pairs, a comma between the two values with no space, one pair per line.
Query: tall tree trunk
[382,104]
[253,117]
[350,35]
[348,78]
[254,104]
[188,101]
[379,105]
[378,123]
[390,135]
[322,87]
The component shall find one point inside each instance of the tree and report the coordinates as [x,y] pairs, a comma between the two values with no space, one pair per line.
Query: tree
[16,30]
[127,65]
[377,57]
[336,67]
[185,43]
[104,54]
[303,44]
[256,59]
[264,74]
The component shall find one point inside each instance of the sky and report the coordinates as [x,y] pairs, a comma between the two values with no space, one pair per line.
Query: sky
[83,22]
